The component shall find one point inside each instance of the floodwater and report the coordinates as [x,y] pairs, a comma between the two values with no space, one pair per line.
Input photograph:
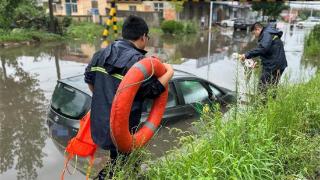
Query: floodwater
[28,76]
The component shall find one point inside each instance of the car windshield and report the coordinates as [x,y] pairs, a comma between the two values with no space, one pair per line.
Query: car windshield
[70,102]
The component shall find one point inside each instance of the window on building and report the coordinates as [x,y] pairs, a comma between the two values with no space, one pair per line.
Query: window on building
[94,4]
[54,7]
[132,8]
[158,7]
[74,8]
[71,6]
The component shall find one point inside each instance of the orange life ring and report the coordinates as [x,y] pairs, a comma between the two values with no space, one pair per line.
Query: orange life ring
[122,102]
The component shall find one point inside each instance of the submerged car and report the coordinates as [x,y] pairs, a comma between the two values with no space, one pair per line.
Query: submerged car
[71,100]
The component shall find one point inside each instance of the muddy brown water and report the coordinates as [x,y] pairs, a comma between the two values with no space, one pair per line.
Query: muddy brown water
[28,75]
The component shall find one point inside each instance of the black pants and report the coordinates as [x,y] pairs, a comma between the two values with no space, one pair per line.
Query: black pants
[107,172]
[114,157]
[269,79]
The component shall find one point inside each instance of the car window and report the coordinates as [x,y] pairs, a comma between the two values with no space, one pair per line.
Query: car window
[171,102]
[215,91]
[70,102]
[193,91]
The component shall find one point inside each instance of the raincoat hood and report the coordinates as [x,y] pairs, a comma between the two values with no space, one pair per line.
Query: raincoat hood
[271,30]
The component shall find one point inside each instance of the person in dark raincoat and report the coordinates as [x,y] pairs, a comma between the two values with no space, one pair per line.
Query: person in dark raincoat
[104,74]
[271,51]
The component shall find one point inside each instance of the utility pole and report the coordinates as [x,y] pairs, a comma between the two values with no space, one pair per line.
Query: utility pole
[210,19]
[209,39]
[111,21]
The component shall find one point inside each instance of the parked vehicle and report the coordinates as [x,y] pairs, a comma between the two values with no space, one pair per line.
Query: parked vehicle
[228,22]
[240,24]
[71,101]
[310,22]
[262,19]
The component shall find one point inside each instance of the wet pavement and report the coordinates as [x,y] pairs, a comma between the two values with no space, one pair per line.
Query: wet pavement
[29,75]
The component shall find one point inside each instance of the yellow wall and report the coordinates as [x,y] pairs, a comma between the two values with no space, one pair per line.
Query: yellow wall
[102,5]
[125,6]
[146,6]
[60,8]
[83,8]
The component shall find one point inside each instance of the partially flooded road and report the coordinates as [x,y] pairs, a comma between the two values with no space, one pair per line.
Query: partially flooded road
[29,75]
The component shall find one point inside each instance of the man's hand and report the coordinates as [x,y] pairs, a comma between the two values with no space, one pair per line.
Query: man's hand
[242,57]
[168,67]
[164,79]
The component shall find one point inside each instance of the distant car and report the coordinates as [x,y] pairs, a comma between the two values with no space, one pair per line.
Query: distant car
[71,100]
[228,22]
[240,24]
[262,18]
[310,22]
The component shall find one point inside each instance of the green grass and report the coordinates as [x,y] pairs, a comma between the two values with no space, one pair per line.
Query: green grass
[312,43]
[18,35]
[84,31]
[279,140]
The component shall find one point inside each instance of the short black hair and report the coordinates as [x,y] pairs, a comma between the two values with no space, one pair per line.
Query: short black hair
[134,27]
[255,26]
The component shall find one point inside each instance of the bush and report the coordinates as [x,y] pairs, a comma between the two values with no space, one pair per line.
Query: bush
[17,35]
[85,31]
[172,27]
[190,27]
[312,43]
[26,16]
[175,27]
[66,21]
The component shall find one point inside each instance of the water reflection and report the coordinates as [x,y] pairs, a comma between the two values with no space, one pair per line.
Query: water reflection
[28,76]
[22,129]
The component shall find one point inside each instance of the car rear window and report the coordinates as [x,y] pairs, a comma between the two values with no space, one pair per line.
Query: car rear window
[70,102]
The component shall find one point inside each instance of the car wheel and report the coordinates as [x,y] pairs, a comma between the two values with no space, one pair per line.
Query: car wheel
[224,24]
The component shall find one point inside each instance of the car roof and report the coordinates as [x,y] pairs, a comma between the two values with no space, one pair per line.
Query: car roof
[78,81]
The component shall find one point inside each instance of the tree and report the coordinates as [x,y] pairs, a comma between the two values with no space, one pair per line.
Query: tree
[51,22]
[7,8]
[271,9]
[178,6]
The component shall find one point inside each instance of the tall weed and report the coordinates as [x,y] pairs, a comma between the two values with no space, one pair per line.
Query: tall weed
[278,140]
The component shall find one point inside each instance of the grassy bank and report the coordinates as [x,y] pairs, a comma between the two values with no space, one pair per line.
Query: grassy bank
[18,35]
[84,31]
[278,141]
